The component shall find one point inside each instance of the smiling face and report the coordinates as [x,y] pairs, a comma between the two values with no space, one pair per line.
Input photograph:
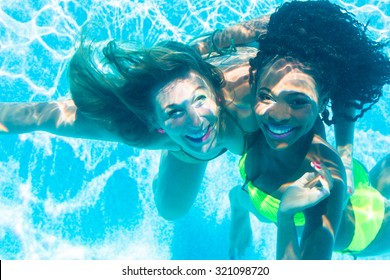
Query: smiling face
[187,110]
[287,103]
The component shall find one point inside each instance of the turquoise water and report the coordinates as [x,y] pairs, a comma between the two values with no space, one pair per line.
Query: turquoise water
[63,198]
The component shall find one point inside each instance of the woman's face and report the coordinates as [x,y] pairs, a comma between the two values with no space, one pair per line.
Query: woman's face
[187,110]
[287,103]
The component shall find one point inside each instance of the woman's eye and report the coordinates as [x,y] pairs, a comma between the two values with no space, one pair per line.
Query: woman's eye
[299,102]
[264,97]
[199,100]
[173,114]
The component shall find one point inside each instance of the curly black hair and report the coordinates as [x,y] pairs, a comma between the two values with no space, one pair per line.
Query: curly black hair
[353,68]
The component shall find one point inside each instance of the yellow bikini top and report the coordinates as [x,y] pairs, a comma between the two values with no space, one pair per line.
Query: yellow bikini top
[367,203]
[264,203]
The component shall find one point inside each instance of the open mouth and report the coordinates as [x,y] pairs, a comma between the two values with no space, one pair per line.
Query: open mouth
[279,132]
[200,136]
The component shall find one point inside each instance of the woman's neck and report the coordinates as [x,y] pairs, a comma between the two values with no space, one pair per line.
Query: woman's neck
[233,136]
[237,124]
[292,156]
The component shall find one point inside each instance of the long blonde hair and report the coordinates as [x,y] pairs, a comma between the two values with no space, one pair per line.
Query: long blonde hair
[113,84]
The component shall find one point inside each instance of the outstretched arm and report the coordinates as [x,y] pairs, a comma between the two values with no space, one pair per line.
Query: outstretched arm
[59,117]
[344,134]
[64,119]
[240,235]
[241,33]
[176,185]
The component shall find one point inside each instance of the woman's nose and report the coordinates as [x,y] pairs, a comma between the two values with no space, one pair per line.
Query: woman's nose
[194,118]
[280,113]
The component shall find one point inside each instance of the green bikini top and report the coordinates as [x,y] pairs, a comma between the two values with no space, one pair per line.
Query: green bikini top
[367,203]
[265,204]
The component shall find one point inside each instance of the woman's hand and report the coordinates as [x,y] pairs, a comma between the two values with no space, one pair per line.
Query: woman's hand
[307,191]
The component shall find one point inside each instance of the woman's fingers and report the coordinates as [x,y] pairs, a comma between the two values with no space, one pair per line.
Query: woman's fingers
[305,179]
[324,178]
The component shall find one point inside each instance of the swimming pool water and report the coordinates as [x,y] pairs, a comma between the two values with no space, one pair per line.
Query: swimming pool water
[64,198]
